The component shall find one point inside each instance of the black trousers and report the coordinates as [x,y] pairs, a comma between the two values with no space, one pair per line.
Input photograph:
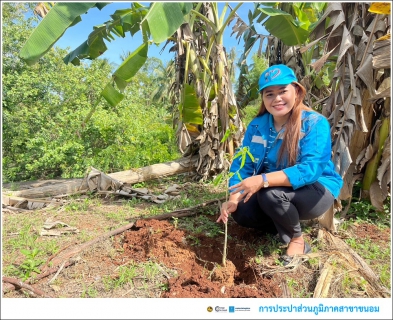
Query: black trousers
[279,209]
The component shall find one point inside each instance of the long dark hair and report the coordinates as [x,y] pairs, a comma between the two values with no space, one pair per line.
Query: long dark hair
[290,143]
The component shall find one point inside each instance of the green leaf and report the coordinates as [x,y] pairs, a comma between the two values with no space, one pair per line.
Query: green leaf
[95,46]
[62,16]
[318,82]
[34,252]
[164,18]
[185,7]
[132,20]
[124,74]
[100,5]
[217,180]
[282,25]
[212,94]
[25,252]
[121,84]
[250,155]
[244,156]
[132,64]
[112,95]
[226,135]
[79,53]
[237,155]
[301,16]
[191,110]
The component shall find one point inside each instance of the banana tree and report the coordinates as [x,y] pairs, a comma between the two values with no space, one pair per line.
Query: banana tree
[358,106]
[207,109]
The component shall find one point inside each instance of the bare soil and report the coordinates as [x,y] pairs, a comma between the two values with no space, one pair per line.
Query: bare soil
[199,267]
[190,264]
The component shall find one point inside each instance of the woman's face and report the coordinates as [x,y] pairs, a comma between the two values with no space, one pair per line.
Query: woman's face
[279,100]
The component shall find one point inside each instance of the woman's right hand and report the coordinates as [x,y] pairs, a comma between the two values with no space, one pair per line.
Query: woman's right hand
[226,209]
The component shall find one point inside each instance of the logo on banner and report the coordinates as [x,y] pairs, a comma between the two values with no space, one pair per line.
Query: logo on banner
[221,309]
[233,309]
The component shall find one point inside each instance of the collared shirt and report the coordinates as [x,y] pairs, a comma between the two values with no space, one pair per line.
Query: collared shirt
[313,161]
[271,139]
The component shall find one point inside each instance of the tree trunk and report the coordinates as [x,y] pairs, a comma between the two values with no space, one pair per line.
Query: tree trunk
[129,176]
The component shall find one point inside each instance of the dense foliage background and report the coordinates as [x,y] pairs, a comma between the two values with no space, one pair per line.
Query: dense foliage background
[48,126]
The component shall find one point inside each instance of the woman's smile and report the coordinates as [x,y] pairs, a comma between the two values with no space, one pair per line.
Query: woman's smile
[279,107]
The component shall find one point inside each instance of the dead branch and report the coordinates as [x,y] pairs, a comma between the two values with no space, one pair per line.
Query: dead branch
[19,284]
[8,287]
[53,255]
[79,248]
[53,270]
[57,273]
[182,212]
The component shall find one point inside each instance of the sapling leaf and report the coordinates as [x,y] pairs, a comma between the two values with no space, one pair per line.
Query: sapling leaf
[250,155]
[36,270]
[25,252]
[244,156]
[217,180]
[237,155]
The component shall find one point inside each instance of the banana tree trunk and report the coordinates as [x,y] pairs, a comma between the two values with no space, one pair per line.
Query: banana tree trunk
[206,70]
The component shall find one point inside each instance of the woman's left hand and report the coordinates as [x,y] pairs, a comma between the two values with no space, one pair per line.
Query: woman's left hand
[249,186]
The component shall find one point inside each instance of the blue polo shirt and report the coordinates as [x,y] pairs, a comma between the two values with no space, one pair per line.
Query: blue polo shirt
[313,161]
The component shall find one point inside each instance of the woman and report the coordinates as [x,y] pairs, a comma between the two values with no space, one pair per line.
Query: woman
[291,176]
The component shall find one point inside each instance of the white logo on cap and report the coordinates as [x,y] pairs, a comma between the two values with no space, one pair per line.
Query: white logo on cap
[272,74]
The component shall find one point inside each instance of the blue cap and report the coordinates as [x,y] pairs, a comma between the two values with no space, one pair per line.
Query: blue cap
[276,75]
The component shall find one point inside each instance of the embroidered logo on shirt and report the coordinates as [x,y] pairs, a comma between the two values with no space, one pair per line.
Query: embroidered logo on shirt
[259,139]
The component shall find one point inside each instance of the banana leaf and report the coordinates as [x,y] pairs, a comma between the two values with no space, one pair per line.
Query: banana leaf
[52,27]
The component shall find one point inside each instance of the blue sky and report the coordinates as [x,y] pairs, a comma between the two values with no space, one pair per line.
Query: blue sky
[77,34]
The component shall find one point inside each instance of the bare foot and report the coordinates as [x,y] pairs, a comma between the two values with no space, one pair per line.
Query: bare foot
[296,246]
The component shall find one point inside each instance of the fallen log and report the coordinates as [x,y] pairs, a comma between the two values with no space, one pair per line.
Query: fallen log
[129,176]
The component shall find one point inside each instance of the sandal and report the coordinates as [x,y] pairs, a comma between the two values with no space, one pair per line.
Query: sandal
[286,259]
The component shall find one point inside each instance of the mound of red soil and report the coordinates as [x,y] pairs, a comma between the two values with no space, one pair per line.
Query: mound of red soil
[198,262]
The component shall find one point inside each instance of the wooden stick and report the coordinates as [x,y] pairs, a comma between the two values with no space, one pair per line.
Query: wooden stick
[53,255]
[79,248]
[52,270]
[182,212]
[57,273]
[17,283]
